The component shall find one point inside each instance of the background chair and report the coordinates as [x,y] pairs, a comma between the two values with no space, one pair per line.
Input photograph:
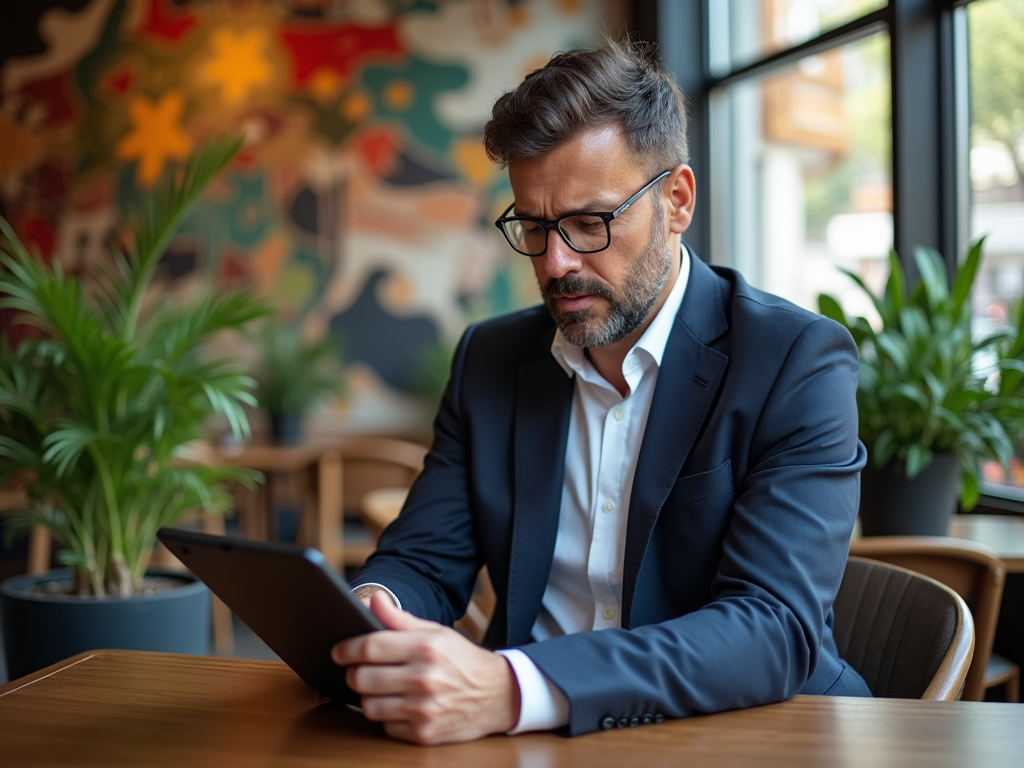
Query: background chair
[977,574]
[909,636]
[364,464]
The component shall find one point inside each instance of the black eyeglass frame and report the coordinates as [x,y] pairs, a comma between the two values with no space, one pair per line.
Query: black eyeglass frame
[606,216]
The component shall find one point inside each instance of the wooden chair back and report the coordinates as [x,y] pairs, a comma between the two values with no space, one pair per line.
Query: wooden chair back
[908,636]
[974,571]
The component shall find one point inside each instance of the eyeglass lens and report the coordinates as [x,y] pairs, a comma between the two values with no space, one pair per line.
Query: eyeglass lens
[584,232]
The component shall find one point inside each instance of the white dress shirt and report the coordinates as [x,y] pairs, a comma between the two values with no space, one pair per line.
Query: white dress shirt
[584,589]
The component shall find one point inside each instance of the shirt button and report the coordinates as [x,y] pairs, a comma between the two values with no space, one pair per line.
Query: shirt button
[619,414]
[609,506]
[609,613]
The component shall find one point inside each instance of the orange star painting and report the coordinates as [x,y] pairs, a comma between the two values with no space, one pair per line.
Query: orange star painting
[156,136]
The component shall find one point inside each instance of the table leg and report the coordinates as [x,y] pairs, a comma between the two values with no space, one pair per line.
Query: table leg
[329,531]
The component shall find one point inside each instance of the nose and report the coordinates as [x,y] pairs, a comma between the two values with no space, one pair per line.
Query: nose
[559,259]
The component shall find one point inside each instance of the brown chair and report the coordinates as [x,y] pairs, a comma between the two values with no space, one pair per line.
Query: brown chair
[909,636]
[365,464]
[977,574]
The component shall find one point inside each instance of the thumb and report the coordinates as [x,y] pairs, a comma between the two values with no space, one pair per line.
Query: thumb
[391,616]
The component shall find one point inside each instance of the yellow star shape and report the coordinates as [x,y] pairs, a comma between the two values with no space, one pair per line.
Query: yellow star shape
[238,63]
[156,136]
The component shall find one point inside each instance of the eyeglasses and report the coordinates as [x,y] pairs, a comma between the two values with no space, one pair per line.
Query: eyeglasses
[584,232]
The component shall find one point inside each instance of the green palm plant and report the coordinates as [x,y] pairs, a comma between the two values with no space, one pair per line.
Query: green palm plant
[293,374]
[95,414]
[926,386]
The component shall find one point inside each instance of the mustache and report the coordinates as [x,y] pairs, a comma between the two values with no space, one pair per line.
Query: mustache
[574,284]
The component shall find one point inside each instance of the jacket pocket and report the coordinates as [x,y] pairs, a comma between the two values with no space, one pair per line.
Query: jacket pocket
[693,489]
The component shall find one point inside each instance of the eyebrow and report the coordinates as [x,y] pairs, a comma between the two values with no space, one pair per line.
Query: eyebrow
[594,205]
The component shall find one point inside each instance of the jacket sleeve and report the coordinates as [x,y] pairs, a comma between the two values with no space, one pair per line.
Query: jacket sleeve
[430,556]
[758,638]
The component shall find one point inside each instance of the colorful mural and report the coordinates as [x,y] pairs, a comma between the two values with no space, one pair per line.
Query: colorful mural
[362,200]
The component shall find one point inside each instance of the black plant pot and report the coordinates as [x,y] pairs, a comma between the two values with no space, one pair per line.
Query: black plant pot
[41,629]
[286,428]
[891,505]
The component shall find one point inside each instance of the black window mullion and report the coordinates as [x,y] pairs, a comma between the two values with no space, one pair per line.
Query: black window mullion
[918,177]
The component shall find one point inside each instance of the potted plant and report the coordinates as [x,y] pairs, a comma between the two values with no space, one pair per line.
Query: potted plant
[94,416]
[933,402]
[292,376]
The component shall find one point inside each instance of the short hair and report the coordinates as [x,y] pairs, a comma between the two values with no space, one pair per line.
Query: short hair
[585,88]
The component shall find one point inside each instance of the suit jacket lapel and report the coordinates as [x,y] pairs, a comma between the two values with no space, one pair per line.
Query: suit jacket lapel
[543,407]
[688,380]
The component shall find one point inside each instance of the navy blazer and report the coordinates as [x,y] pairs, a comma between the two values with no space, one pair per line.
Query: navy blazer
[743,502]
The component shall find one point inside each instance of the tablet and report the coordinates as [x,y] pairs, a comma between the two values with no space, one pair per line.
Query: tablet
[288,595]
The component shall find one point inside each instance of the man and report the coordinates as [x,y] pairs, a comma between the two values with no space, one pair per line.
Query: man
[659,467]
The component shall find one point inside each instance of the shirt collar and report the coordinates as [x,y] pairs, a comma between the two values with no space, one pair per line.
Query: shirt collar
[652,343]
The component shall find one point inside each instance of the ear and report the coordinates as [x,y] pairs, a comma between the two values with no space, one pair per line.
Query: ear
[680,195]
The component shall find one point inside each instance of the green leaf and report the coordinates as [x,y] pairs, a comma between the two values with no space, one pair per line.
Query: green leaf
[965,275]
[895,289]
[933,276]
[970,489]
[918,459]
[830,308]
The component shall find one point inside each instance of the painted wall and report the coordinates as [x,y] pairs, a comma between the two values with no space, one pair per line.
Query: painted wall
[362,201]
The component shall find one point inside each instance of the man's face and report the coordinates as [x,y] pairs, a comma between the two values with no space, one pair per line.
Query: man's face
[596,298]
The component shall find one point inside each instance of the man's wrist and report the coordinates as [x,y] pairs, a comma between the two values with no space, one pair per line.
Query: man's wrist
[364,592]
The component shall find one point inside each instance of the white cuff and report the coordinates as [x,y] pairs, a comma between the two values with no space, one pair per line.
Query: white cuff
[542,705]
[394,597]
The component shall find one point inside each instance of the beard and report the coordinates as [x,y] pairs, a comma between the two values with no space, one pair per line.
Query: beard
[628,307]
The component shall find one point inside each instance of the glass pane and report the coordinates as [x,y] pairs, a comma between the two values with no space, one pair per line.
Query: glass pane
[803,183]
[747,30]
[996,56]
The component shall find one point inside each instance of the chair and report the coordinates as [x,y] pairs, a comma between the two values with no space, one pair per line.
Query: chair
[977,574]
[909,636]
[365,464]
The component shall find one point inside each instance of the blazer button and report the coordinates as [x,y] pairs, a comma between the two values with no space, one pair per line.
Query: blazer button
[658,718]
[648,719]
[623,722]
[634,722]
[607,723]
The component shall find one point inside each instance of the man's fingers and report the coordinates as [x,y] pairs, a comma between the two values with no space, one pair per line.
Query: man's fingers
[390,679]
[389,647]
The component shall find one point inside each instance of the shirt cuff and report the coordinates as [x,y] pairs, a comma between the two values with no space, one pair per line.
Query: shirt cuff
[542,705]
[394,597]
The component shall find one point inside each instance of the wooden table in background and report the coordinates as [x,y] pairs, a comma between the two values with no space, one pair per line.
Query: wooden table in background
[1003,533]
[315,468]
[121,708]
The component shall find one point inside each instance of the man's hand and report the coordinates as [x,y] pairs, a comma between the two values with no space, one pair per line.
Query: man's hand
[427,683]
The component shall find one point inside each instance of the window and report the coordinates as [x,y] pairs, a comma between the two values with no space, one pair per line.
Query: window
[827,131]
[805,173]
[995,34]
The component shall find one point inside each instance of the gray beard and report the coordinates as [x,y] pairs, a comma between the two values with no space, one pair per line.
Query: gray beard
[628,309]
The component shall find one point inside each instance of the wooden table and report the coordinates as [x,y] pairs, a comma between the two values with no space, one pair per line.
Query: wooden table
[1003,533]
[315,468]
[121,708]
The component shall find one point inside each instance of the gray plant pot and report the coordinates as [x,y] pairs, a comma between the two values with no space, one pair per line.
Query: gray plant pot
[40,629]
[891,505]
[286,428]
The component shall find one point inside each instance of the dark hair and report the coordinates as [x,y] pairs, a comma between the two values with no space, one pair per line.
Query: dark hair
[585,88]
